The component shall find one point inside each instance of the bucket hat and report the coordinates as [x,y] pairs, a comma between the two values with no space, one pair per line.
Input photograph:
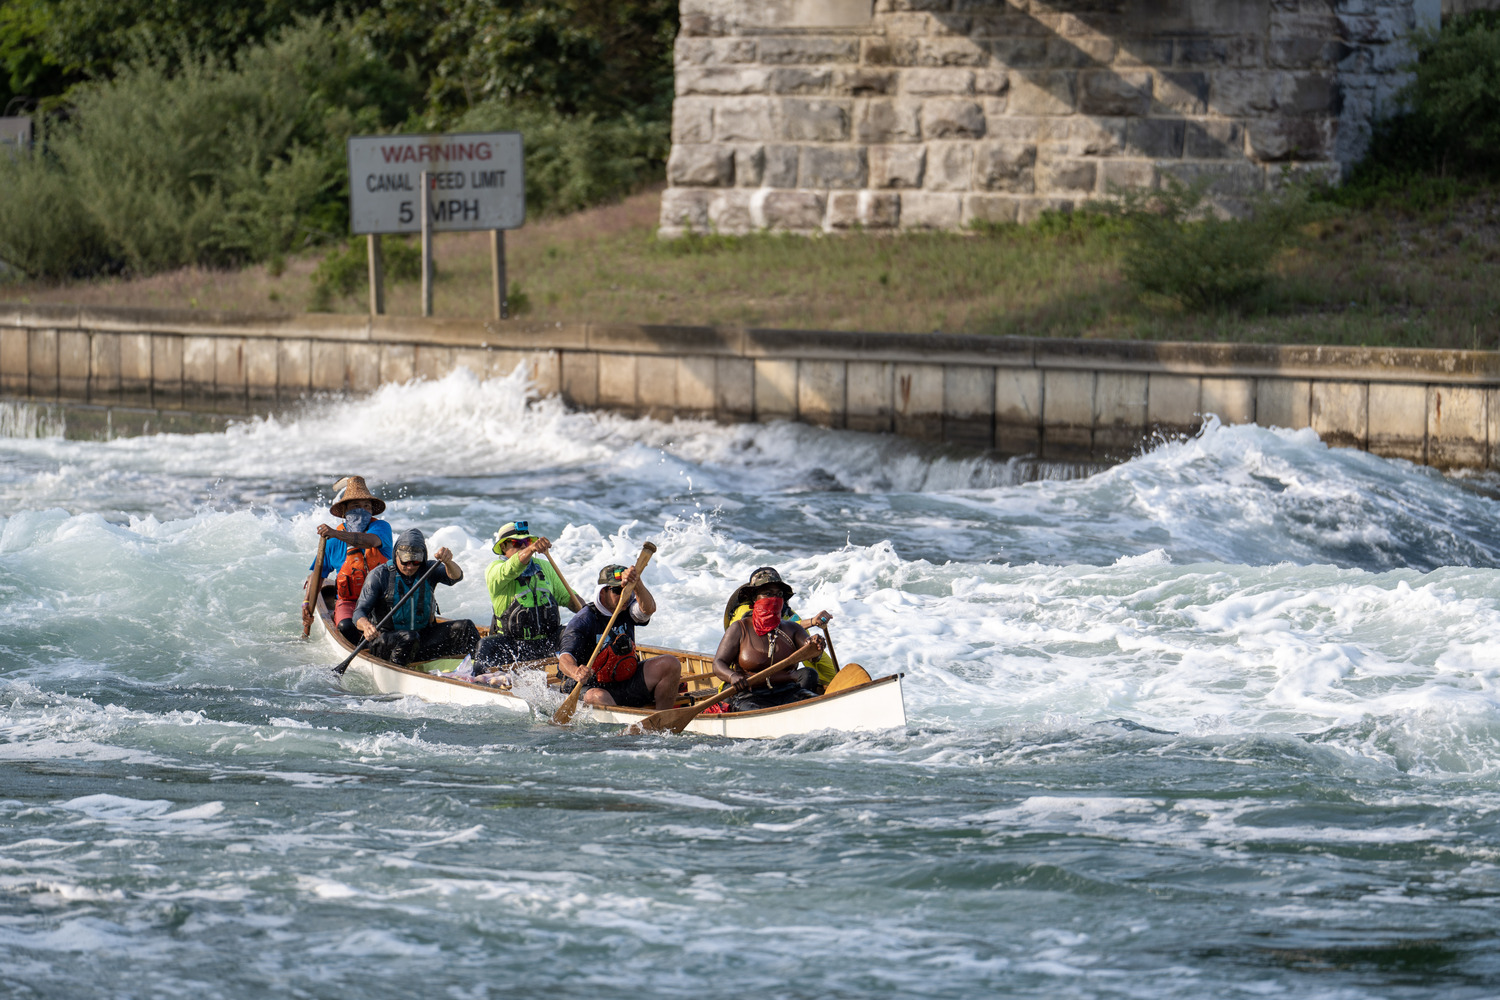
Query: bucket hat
[353,488]
[744,594]
[519,530]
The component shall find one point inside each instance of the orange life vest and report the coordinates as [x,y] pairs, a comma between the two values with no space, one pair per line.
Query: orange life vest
[357,564]
[610,666]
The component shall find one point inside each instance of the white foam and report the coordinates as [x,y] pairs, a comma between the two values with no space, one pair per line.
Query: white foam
[1240,581]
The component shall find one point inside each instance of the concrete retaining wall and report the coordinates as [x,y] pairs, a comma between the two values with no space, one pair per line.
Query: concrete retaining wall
[1057,399]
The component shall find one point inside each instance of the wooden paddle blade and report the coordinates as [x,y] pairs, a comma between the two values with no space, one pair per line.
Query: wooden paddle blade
[851,676]
[668,720]
[564,713]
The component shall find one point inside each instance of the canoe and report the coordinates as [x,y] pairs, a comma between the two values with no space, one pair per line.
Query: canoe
[872,706]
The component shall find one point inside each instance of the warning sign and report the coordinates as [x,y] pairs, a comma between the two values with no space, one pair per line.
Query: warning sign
[475,181]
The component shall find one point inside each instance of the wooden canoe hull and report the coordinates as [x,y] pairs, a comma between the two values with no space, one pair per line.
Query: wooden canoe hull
[870,707]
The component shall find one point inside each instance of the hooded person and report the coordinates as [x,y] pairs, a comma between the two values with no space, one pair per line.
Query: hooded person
[526,594]
[359,544]
[760,637]
[620,676]
[413,634]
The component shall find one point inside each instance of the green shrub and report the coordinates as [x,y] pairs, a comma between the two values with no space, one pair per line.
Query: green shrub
[215,164]
[1176,247]
[190,156]
[346,270]
[44,229]
[573,162]
[517,300]
[1455,93]
[1448,125]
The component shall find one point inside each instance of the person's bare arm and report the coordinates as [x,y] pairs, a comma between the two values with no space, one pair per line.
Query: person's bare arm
[358,539]
[642,595]
[568,666]
[726,665]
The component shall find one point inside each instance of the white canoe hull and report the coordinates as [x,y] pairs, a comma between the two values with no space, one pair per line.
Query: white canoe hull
[870,707]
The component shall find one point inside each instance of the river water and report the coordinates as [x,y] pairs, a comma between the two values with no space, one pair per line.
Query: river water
[1217,722]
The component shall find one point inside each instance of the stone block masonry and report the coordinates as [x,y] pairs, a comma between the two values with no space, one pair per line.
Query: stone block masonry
[825,115]
[120,371]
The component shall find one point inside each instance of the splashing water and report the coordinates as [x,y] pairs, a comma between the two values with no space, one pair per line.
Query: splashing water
[1218,721]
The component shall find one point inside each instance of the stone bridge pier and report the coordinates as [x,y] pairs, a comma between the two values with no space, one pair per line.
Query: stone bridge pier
[827,115]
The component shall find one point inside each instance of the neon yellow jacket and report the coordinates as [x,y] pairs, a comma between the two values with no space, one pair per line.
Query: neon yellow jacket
[502,578]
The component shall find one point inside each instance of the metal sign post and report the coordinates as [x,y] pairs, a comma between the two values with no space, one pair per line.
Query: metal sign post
[426,182]
[497,262]
[473,181]
[377,274]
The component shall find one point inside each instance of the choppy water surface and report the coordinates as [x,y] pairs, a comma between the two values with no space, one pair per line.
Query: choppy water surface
[1218,722]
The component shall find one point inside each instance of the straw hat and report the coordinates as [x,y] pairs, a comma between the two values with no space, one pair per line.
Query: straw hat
[353,488]
[763,577]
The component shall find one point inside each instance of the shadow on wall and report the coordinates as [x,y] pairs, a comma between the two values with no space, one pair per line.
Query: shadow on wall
[1196,88]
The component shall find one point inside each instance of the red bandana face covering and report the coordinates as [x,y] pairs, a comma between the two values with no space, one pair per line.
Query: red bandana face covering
[766,614]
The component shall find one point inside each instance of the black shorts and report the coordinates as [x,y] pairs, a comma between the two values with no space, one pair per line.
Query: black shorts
[632,692]
[497,651]
[805,686]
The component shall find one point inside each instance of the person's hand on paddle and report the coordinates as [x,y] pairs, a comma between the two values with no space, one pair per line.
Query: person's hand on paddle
[538,546]
[367,629]
[739,680]
[307,616]
[819,620]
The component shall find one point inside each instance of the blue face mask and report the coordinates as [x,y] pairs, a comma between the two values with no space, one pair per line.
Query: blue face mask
[532,569]
[357,519]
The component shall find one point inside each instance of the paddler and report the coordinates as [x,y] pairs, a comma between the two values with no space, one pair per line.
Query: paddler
[741,602]
[620,676]
[527,594]
[359,544]
[760,637]
[413,634]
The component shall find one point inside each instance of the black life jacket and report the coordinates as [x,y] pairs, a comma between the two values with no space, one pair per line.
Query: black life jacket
[541,621]
[420,610]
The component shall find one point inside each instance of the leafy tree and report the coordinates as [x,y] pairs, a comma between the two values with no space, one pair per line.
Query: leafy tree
[28,69]
[573,56]
[1448,124]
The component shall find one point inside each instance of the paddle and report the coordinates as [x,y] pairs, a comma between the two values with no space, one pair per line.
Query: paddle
[572,597]
[366,640]
[675,720]
[313,583]
[564,713]
[821,621]
[851,676]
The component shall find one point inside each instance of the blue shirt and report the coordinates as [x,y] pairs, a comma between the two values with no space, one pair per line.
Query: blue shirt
[335,551]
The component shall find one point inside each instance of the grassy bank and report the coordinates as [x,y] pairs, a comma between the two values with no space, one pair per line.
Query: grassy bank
[1379,275]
